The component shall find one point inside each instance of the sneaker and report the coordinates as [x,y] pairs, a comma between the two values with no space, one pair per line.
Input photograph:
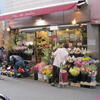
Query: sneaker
[52,84]
[1,79]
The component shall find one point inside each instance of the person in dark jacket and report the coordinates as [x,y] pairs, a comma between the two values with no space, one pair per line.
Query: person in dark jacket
[1,53]
[18,62]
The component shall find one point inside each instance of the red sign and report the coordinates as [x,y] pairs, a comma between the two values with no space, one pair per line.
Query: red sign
[42,11]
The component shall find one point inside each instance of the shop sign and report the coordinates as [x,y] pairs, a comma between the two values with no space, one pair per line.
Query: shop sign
[92,42]
[53,27]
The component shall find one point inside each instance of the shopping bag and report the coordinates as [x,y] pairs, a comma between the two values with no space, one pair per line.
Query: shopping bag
[63,77]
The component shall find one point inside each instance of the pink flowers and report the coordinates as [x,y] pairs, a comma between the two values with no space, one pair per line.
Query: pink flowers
[80,64]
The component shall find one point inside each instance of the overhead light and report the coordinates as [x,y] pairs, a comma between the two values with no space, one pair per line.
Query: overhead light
[84,24]
[8,29]
[74,22]
[67,29]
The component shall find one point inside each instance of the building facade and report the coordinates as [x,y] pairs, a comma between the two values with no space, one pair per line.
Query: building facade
[17,15]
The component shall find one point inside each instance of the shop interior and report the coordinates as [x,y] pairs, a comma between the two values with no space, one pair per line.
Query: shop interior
[37,39]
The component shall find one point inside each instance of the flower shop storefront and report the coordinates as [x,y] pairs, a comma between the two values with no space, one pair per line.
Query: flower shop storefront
[45,34]
[80,68]
[51,36]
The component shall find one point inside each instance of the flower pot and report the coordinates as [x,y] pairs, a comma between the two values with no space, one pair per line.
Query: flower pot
[40,76]
[88,79]
[83,77]
[45,77]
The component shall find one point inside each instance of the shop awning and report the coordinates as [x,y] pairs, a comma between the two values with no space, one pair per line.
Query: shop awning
[41,10]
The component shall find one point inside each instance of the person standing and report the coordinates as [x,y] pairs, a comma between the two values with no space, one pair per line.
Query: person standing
[60,56]
[0,69]
[1,54]
[1,60]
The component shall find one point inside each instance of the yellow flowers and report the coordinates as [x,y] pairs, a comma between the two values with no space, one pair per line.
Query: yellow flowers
[47,70]
[74,71]
[66,66]
[86,59]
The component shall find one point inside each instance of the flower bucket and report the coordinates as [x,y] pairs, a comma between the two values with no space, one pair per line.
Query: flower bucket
[45,77]
[40,76]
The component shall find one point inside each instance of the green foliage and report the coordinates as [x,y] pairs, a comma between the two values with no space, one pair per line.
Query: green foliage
[16,39]
[92,67]
[47,55]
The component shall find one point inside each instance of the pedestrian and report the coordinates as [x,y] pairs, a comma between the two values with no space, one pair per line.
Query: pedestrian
[60,56]
[18,62]
[1,60]
[1,69]
[1,53]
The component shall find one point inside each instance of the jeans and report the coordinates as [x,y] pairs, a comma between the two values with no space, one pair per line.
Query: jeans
[55,77]
[15,72]
[16,67]
[0,71]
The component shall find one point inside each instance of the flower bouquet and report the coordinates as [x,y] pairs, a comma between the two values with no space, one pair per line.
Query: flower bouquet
[93,72]
[74,72]
[86,59]
[47,72]
[85,73]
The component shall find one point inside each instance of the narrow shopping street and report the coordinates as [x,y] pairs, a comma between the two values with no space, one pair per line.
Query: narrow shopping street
[28,89]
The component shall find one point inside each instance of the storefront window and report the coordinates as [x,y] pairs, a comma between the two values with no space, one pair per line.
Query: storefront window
[74,36]
[36,41]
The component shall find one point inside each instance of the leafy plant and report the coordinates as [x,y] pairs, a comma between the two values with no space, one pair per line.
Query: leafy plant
[47,55]
[16,39]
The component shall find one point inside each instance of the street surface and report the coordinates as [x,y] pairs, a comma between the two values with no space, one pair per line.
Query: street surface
[28,89]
